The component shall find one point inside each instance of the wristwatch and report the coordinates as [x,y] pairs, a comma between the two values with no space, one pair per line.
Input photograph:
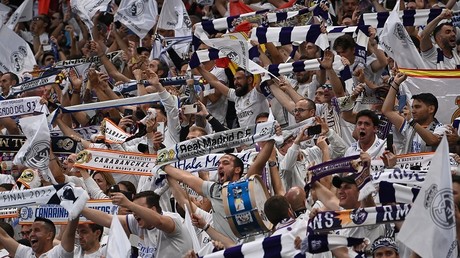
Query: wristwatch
[272,164]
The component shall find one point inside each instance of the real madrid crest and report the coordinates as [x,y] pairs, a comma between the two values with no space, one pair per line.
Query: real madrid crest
[136,8]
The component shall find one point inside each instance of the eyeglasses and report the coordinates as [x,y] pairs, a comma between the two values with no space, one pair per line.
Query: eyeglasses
[327,86]
[300,110]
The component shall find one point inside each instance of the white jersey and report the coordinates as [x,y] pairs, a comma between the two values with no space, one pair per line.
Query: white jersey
[248,106]
[440,61]
[57,251]
[156,243]
[375,151]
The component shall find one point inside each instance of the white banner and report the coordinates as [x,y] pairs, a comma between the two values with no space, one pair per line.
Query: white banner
[443,84]
[113,133]
[138,15]
[59,215]
[217,142]
[111,161]
[32,84]
[210,162]
[21,106]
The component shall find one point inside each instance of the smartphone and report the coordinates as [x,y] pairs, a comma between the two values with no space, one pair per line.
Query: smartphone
[402,102]
[114,189]
[161,127]
[312,130]
[456,123]
[190,109]
[390,143]
[46,48]
[128,112]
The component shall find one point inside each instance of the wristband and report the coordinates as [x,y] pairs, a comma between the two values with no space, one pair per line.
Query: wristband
[209,117]
[412,123]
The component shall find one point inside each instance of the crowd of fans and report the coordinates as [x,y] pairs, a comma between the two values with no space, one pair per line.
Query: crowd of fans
[221,99]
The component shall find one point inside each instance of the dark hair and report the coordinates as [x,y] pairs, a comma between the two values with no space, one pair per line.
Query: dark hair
[129,186]
[263,114]
[276,208]
[246,73]
[369,113]
[428,99]
[13,76]
[151,198]
[311,104]
[46,54]
[8,187]
[48,224]
[439,27]
[163,67]
[237,162]
[345,42]
[456,179]
[94,227]
[8,228]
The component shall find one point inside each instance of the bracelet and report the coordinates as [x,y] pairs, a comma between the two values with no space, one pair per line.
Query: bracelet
[209,117]
[53,158]
[206,227]
[412,123]
[76,91]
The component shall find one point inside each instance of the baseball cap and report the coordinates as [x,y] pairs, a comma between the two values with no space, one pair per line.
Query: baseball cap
[338,180]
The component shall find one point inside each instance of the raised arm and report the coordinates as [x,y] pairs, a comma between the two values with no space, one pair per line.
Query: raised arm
[103,218]
[389,103]
[150,216]
[183,176]
[8,242]
[213,81]
[68,238]
[425,38]
[261,159]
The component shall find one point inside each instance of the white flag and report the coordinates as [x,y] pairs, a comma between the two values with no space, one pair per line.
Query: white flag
[23,13]
[234,46]
[35,152]
[118,244]
[396,42]
[191,229]
[138,15]
[86,9]
[174,16]
[15,54]
[4,11]
[430,228]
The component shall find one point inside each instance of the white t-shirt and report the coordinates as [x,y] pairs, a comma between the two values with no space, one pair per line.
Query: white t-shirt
[248,106]
[414,143]
[156,243]
[57,251]
[431,58]
[375,151]
[3,253]
[79,253]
